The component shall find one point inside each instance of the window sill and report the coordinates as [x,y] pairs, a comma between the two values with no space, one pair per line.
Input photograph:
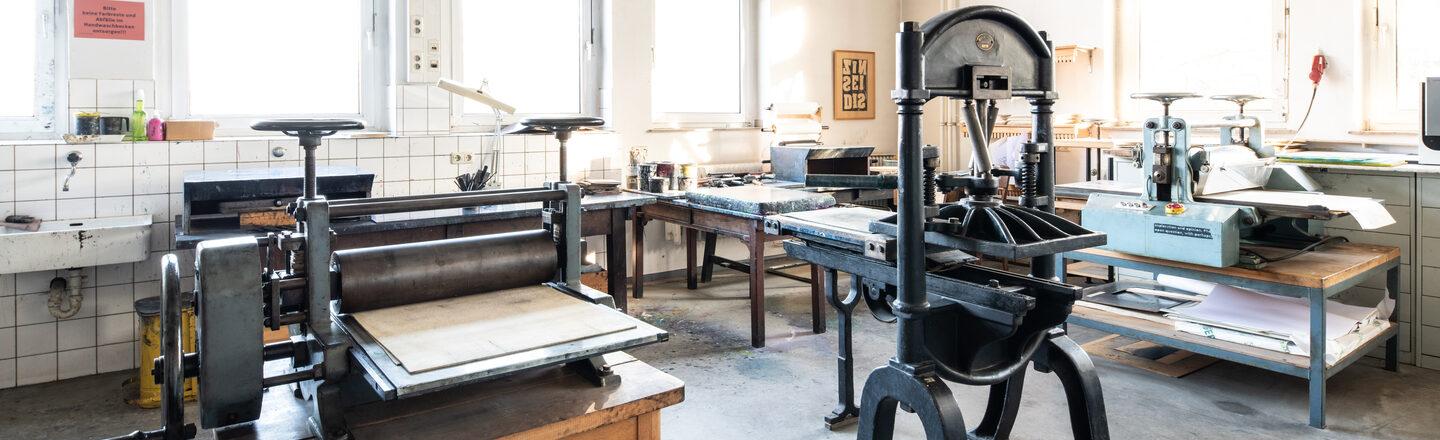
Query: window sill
[698,128]
[1384,132]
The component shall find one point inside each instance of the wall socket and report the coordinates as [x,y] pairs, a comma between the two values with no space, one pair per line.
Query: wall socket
[461,158]
[423,58]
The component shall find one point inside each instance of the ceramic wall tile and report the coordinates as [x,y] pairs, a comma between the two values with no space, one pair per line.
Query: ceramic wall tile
[82,93]
[35,369]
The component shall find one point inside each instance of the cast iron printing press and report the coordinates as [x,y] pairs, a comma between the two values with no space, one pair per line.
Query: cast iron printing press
[382,325]
[958,321]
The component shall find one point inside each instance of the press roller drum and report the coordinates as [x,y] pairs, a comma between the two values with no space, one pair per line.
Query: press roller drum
[387,276]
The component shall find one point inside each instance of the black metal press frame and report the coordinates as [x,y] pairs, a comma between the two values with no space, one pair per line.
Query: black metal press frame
[959,321]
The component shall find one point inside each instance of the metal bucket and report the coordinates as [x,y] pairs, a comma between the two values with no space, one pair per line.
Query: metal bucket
[149,311]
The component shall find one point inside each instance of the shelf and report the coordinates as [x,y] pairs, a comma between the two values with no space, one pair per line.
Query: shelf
[1161,330]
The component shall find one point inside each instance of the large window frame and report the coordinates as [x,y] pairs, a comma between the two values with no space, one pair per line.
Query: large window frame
[50,71]
[749,79]
[374,63]
[1383,109]
[591,55]
[1128,78]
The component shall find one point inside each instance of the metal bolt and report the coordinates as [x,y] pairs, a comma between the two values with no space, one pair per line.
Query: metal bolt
[1177,125]
[1148,124]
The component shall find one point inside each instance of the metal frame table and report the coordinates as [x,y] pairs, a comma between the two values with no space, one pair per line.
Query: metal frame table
[1314,276]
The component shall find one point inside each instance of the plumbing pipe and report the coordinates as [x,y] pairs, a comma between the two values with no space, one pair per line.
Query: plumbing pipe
[57,287]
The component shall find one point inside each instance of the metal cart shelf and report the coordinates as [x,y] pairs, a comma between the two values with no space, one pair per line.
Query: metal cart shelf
[1314,276]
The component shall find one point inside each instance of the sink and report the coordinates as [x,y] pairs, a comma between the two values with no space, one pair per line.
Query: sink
[64,244]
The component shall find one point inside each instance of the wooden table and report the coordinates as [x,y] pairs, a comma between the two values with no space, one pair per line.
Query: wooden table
[1314,276]
[548,403]
[748,228]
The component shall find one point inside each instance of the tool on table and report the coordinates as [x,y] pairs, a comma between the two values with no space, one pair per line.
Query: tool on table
[801,162]
[599,187]
[958,321]
[376,326]
[1202,203]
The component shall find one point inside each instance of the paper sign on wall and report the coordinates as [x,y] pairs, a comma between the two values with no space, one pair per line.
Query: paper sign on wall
[110,19]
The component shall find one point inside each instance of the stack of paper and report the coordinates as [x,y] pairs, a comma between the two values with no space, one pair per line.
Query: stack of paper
[1278,323]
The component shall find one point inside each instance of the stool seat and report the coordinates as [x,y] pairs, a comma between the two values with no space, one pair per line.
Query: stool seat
[307,124]
[552,125]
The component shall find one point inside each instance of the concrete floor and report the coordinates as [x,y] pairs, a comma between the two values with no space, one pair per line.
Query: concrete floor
[783,390]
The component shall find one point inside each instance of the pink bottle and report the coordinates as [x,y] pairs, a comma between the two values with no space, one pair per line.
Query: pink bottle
[156,129]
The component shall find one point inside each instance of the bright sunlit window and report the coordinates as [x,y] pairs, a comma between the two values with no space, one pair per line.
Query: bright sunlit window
[1214,47]
[698,57]
[250,58]
[17,29]
[532,53]
[27,101]
[1405,53]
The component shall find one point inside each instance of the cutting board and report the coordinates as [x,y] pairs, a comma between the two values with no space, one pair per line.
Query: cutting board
[437,334]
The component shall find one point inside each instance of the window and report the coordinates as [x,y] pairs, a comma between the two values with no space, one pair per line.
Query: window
[1404,54]
[238,60]
[536,55]
[700,61]
[28,100]
[1174,46]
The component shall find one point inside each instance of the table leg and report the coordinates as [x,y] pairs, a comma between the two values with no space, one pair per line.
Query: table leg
[817,297]
[1317,360]
[691,279]
[707,265]
[1392,346]
[615,258]
[757,288]
[639,249]
[1088,166]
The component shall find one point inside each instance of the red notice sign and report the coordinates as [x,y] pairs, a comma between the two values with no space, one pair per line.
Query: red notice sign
[110,19]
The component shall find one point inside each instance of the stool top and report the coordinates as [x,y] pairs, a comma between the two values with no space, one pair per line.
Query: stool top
[1164,98]
[307,124]
[547,125]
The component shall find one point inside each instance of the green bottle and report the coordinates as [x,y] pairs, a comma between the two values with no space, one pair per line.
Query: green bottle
[137,119]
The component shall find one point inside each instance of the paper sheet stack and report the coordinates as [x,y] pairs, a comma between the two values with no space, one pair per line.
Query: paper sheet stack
[1274,322]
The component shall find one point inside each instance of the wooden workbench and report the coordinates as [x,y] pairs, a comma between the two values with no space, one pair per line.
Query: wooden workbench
[1314,276]
[748,228]
[548,403]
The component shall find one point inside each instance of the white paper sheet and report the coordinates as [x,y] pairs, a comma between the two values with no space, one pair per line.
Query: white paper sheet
[1368,212]
[1272,315]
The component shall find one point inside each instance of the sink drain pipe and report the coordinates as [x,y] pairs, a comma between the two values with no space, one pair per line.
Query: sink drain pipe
[59,307]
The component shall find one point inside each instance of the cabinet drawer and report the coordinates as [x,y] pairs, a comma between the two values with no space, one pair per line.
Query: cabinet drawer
[1430,281]
[1430,311]
[1429,192]
[1429,222]
[1404,221]
[1394,190]
[1430,252]
[1430,338]
[1383,239]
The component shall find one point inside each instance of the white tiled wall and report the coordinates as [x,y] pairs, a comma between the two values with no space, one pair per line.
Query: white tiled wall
[120,179]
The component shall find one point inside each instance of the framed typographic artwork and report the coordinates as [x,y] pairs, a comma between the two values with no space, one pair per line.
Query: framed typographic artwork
[854,85]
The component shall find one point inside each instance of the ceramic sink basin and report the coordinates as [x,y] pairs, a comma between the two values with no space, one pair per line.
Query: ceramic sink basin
[64,244]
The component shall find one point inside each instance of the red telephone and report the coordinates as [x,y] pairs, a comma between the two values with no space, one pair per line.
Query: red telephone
[1317,68]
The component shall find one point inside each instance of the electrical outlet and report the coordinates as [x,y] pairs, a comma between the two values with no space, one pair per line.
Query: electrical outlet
[461,158]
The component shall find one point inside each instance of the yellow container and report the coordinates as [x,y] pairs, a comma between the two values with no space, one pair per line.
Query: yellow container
[150,346]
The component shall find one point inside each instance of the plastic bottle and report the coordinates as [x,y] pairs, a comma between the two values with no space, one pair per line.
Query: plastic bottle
[156,129]
[137,118]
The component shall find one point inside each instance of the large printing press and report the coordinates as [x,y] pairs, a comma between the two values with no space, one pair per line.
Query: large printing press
[1200,203]
[958,321]
[379,325]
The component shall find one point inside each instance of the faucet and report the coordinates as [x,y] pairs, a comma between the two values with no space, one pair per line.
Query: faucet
[74,159]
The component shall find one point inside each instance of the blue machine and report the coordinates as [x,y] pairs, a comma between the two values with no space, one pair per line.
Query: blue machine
[1165,220]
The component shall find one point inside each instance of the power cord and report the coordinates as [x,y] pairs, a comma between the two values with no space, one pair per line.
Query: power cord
[1311,247]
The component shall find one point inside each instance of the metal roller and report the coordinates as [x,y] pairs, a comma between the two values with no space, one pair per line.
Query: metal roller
[387,276]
